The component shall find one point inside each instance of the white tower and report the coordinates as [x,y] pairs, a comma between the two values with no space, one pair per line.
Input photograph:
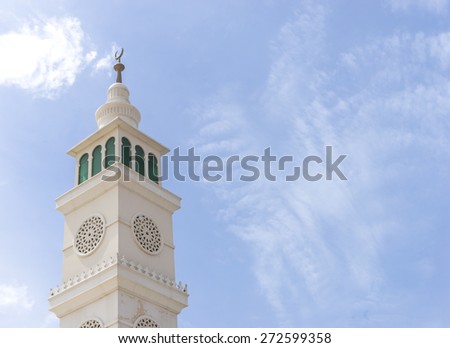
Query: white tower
[118,250]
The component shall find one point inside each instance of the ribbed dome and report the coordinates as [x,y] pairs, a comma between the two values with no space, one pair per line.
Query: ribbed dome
[117,105]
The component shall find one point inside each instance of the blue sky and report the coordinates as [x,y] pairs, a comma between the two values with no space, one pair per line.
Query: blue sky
[236,77]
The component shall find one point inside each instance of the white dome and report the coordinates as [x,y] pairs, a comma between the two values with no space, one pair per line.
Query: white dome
[117,105]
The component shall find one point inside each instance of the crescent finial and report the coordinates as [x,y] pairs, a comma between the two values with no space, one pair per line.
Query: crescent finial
[118,56]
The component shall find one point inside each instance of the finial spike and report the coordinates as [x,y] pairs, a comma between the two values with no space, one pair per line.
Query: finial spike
[119,67]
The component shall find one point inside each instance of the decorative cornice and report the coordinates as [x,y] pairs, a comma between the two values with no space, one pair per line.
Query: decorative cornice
[95,186]
[107,130]
[112,261]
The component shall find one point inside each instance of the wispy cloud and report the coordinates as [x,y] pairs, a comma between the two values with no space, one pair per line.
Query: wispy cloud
[434,6]
[17,296]
[44,56]
[317,246]
[283,224]
[104,63]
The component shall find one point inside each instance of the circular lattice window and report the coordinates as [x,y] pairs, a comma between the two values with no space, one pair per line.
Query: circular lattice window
[89,235]
[145,322]
[91,324]
[147,234]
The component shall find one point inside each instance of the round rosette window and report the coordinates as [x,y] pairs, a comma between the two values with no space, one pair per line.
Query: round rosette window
[147,234]
[91,324]
[89,235]
[144,322]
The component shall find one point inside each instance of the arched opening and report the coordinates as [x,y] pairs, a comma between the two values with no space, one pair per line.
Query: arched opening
[126,152]
[139,160]
[152,168]
[83,168]
[97,160]
[110,155]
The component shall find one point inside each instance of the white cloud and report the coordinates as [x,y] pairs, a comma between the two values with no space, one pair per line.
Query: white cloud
[405,50]
[435,6]
[318,245]
[105,63]
[44,56]
[90,56]
[15,296]
[281,222]
[439,48]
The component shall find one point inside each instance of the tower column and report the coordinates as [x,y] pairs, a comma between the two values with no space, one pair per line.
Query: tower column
[118,248]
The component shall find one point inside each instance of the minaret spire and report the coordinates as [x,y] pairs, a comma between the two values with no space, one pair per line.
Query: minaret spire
[118,252]
[119,67]
[118,104]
